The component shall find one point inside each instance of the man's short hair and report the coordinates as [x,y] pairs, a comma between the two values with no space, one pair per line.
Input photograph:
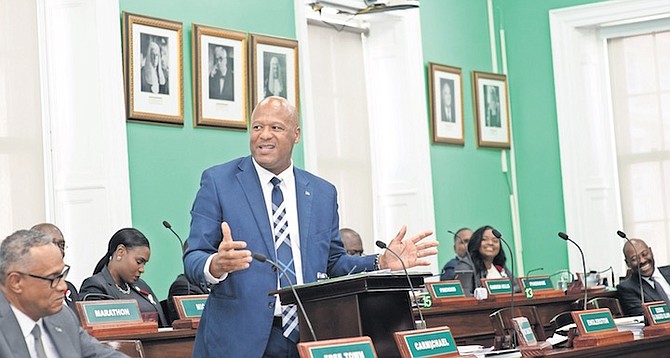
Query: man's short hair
[457,236]
[16,249]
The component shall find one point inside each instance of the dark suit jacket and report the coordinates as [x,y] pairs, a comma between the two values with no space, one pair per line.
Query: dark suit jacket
[103,283]
[63,327]
[471,281]
[238,315]
[182,287]
[629,292]
[71,296]
[227,92]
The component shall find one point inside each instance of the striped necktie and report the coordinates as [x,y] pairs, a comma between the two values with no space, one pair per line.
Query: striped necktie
[284,258]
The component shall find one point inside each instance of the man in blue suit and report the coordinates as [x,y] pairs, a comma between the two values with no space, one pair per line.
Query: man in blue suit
[232,216]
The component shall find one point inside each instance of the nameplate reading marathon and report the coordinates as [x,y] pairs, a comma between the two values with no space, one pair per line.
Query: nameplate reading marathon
[431,344]
[111,311]
[597,321]
[659,313]
[350,350]
[538,283]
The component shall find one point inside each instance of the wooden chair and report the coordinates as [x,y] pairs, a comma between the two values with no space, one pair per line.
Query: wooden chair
[606,302]
[561,319]
[131,348]
[502,321]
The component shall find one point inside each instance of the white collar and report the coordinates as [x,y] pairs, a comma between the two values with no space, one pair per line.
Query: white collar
[265,175]
[26,323]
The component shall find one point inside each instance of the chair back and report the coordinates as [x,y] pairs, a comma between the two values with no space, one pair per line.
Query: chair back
[131,348]
[561,319]
[606,302]
[501,320]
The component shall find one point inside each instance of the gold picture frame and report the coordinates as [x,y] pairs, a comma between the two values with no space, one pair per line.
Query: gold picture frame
[491,110]
[153,65]
[445,88]
[274,69]
[220,83]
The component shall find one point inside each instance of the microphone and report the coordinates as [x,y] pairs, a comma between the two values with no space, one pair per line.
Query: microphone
[98,295]
[262,258]
[639,277]
[467,252]
[498,235]
[181,245]
[565,237]
[382,245]
[534,270]
[169,227]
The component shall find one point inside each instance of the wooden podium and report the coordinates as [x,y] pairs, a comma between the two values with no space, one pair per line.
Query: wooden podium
[367,304]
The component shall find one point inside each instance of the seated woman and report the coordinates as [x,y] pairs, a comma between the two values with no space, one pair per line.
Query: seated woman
[488,260]
[117,275]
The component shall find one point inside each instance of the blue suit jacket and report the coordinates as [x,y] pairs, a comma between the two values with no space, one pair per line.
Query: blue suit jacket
[238,314]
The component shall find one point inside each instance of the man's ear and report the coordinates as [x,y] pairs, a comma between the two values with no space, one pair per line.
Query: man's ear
[13,282]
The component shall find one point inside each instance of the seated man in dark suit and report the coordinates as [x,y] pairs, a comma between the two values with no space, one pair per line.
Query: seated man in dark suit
[52,231]
[33,320]
[182,287]
[461,240]
[655,282]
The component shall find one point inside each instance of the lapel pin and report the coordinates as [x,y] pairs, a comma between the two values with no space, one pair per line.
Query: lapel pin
[307,193]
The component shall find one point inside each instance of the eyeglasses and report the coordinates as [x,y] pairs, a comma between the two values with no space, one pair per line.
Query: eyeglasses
[355,252]
[54,281]
[60,244]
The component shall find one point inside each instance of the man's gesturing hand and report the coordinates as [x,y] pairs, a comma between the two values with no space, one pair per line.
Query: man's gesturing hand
[231,255]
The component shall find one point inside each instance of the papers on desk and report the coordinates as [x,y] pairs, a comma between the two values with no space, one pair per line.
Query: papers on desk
[481,352]
[557,339]
[634,324]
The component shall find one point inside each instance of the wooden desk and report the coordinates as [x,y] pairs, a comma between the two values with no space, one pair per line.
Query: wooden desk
[176,343]
[656,347]
[469,321]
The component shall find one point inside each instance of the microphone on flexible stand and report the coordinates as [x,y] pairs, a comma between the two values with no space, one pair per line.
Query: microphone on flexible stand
[534,270]
[181,245]
[169,227]
[639,276]
[565,237]
[498,235]
[467,253]
[262,258]
[382,245]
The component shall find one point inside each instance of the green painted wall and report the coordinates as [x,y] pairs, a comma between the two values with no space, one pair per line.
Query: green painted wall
[166,162]
[469,186]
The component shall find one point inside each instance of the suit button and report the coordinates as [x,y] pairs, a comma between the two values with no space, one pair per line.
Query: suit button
[271,305]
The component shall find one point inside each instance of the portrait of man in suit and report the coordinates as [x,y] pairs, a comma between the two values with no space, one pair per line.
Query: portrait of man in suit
[221,79]
[448,112]
[492,106]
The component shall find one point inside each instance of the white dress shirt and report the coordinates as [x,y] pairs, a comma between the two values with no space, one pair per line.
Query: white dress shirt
[27,324]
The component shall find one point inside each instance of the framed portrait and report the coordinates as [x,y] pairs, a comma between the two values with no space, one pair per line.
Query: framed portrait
[446,103]
[219,77]
[152,57]
[491,109]
[274,69]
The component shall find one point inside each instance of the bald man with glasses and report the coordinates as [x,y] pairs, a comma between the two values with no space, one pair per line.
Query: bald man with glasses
[33,320]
